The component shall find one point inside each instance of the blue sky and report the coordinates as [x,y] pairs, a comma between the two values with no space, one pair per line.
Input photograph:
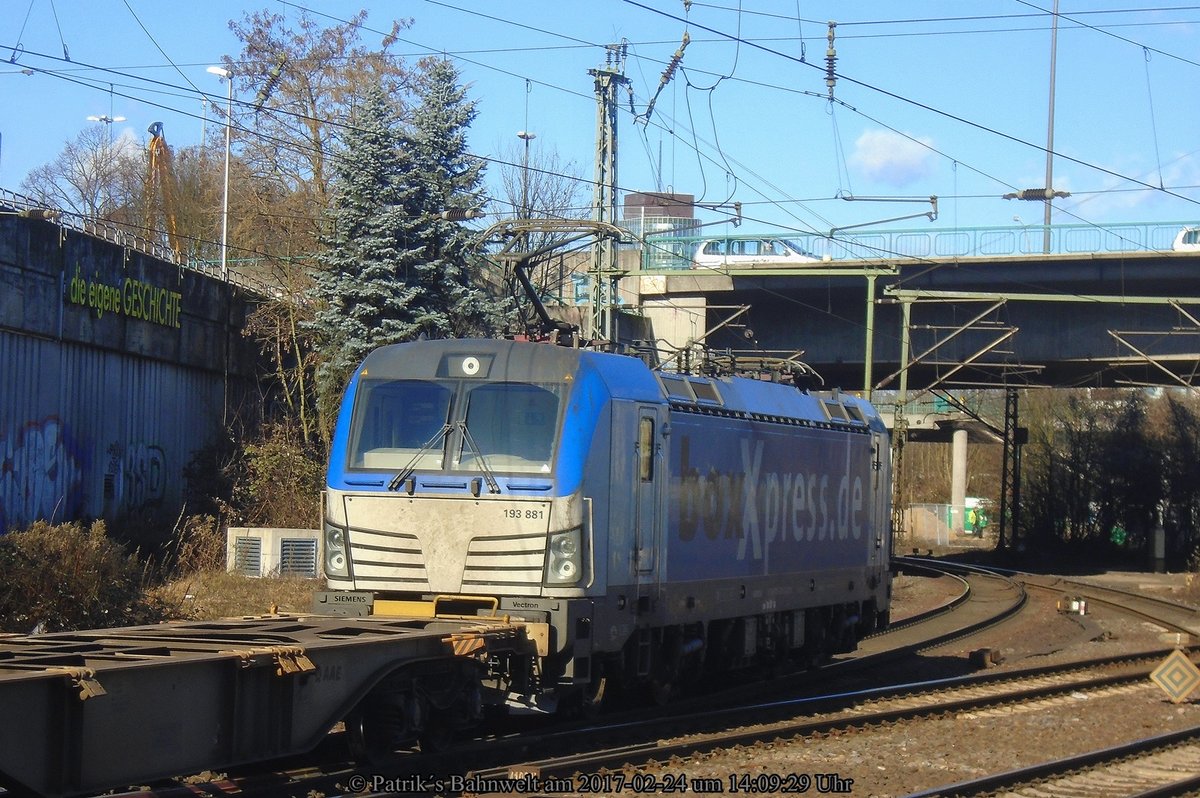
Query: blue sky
[933,98]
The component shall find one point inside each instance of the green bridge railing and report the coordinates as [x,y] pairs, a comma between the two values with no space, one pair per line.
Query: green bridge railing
[675,252]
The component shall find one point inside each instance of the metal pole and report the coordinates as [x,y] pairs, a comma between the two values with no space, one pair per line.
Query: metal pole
[869,357]
[604,196]
[527,137]
[899,421]
[225,200]
[1050,133]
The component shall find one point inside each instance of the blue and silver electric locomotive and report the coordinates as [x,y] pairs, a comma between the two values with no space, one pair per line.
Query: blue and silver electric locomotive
[658,526]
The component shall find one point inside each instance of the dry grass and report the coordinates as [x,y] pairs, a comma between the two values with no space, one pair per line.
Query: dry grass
[1190,594]
[72,576]
[201,589]
[209,595]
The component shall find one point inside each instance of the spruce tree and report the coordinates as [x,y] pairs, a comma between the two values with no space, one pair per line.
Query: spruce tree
[392,269]
[451,178]
[369,288]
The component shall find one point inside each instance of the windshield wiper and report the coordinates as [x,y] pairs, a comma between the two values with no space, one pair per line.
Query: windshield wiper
[407,471]
[488,474]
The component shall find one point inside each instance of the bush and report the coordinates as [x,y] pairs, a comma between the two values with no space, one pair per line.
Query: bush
[283,480]
[68,577]
[198,545]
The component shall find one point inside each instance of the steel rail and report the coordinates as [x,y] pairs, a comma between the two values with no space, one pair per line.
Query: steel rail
[902,706]
[709,718]
[1068,769]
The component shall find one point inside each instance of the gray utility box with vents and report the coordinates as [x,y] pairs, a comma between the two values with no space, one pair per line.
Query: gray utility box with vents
[269,551]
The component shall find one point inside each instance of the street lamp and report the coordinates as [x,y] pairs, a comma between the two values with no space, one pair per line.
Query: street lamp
[225,74]
[527,137]
[108,120]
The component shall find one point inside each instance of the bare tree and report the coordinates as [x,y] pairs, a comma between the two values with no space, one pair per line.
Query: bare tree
[298,85]
[536,183]
[108,180]
[90,177]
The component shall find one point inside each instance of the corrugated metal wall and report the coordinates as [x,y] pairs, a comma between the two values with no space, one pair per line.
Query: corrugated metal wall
[89,434]
[103,405]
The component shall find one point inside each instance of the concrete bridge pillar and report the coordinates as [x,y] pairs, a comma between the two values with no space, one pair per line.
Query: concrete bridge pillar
[958,480]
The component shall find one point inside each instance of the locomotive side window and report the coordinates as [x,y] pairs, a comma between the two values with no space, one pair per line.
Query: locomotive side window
[705,391]
[646,449]
[677,387]
[394,419]
[513,425]
[835,410]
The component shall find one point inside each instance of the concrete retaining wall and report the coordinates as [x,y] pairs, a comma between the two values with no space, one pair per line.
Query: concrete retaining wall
[116,366]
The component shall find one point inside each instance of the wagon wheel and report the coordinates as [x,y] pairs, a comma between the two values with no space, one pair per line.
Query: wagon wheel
[369,741]
[438,736]
[381,725]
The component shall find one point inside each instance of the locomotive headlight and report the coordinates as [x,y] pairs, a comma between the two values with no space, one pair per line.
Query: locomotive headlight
[336,562]
[564,564]
[565,546]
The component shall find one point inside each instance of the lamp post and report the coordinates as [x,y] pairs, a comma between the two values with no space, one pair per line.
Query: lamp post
[108,120]
[527,137]
[1050,133]
[226,75]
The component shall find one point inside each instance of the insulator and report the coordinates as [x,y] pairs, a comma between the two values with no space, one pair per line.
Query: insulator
[461,214]
[831,60]
[272,81]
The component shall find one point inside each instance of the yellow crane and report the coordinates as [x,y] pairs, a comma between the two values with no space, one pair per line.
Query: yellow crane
[160,183]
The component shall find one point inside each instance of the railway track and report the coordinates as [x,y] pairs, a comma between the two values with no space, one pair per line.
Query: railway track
[1164,765]
[1163,612]
[691,736]
[958,616]
[633,745]
[1020,691]
[1176,617]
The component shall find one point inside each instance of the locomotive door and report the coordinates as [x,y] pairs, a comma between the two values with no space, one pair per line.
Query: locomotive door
[648,481]
[881,513]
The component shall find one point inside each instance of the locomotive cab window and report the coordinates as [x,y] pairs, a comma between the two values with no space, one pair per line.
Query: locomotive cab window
[835,410]
[394,419]
[510,426]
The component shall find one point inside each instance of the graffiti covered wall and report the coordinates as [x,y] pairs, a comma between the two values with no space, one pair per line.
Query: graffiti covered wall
[40,473]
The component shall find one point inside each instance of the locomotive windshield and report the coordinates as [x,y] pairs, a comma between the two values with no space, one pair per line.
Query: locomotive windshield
[512,425]
[509,426]
[394,419]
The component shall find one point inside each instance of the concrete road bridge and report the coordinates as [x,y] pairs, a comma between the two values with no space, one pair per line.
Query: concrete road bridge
[967,308]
